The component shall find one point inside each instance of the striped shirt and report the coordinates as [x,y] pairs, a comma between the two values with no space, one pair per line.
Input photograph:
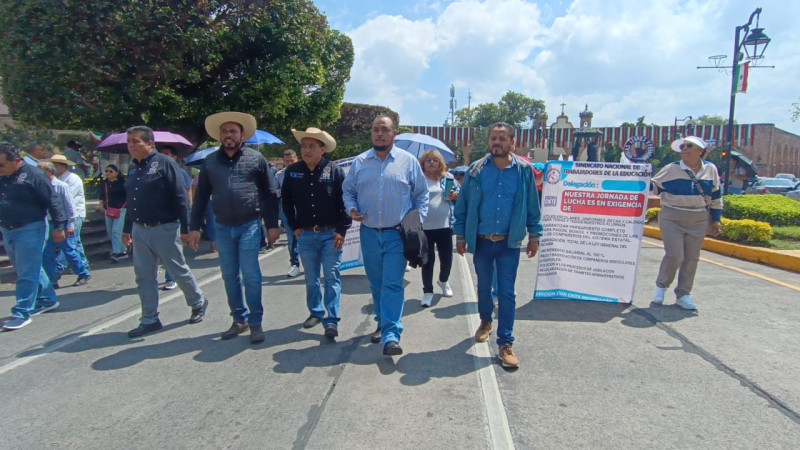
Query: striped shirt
[385,191]
[677,190]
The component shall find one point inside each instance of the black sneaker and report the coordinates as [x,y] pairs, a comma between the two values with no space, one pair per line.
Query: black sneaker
[331,332]
[376,336]
[199,312]
[143,329]
[82,281]
[392,348]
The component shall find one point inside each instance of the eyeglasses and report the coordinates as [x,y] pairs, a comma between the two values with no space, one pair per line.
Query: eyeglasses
[686,145]
[431,160]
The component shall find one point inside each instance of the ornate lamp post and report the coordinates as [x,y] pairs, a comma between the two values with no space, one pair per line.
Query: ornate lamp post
[754,43]
[687,124]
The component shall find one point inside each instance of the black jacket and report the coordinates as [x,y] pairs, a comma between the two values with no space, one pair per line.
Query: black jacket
[244,189]
[26,196]
[415,243]
[154,193]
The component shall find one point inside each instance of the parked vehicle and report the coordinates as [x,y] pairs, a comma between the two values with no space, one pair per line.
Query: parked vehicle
[795,194]
[789,177]
[765,185]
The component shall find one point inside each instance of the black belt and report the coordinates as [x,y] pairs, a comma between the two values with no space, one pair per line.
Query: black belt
[156,223]
[493,237]
[319,229]
[15,226]
[396,227]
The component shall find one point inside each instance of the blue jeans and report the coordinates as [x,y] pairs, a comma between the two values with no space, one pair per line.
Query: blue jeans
[238,259]
[488,255]
[316,249]
[385,265]
[294,254]
[62,260]
[114,230]
[70,254]
[24,246]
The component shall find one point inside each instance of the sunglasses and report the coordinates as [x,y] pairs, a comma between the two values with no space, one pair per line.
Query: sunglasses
[687,145]
[431,160]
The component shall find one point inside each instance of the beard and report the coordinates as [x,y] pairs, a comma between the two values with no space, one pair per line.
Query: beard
[382,148]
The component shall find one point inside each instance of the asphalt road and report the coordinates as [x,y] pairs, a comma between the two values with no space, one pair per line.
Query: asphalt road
[591,376]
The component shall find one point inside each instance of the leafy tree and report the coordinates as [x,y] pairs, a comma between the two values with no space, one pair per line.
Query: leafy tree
[107,64]
[711,120]
[513,108]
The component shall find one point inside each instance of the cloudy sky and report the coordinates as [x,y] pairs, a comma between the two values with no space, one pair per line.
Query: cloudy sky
[625,58]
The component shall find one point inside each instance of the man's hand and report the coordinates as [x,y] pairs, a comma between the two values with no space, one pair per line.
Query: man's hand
[185,239]
[338,241]
[461,248]
[194,240]
[533,247]
[298,232]
[357,216]
[127,240]
[70,233]
[59,236]
[273,234]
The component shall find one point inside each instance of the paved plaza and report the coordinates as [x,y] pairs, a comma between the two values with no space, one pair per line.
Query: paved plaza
[592,375]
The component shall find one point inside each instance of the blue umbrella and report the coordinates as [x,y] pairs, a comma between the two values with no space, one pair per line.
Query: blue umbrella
[417,144]
[459,169]
[263,137]
[196,158]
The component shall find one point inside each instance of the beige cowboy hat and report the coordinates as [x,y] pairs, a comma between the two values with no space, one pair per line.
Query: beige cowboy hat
[214,121]
[315,133]
[59,159]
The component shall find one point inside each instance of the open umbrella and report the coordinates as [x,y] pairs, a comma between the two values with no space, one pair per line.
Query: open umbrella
[417,144]
[197,158]
[747,163]
[263,137]
[118,142]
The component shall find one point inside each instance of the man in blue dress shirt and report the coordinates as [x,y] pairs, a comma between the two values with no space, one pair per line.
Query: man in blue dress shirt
[497,206]
[383,185]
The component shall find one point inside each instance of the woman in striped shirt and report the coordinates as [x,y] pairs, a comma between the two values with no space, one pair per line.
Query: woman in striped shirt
[691,207]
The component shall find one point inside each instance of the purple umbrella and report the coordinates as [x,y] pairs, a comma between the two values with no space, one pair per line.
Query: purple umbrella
[118,143]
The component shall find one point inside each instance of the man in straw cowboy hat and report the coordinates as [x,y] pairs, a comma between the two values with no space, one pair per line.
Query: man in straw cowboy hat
[75,184]
[26,196]
[313,205]
[157,214]
[244,191]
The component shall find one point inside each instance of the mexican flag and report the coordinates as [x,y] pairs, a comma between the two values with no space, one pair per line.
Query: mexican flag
[741,74]
[96,137]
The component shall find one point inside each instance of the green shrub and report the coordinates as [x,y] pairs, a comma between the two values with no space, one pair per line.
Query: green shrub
[652,214]
[746,230]
[773,209]
[791,233]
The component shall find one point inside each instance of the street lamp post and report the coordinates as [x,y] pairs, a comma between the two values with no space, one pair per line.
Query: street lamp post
[686,121]
[752,38]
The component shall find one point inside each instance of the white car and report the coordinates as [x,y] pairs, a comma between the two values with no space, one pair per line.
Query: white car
[788,176]
[795,194]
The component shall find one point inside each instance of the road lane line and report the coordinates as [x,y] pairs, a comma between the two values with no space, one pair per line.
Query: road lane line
[499,430]
[737,269]
[107,324]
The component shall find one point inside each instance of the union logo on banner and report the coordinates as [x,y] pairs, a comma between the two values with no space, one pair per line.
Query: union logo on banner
[639,149]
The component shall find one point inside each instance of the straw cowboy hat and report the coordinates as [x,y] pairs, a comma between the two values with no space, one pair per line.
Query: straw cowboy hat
[315,133]
[214,121]
[676,144]
[59,159]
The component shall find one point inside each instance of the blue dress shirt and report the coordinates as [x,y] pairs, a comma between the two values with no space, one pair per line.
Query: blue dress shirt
[499,189]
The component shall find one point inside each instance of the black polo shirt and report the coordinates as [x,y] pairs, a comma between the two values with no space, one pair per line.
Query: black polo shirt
[314,198]
[26,196]
[155,193]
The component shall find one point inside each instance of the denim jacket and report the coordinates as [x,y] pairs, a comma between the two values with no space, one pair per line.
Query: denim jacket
[525,216]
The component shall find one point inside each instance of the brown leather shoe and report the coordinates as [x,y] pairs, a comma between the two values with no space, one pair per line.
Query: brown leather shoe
[375,336]
[484,331]
[507,357]
[235,330]
[256,335]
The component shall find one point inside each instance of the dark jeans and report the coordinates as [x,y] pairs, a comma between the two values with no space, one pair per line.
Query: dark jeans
[443,239]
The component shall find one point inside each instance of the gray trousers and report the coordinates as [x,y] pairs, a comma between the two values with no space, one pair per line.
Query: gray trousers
[682,233]
[161,243]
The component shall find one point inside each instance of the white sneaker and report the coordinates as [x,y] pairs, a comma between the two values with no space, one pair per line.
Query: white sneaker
[427,299]
[446,291]
[408,267]
[170,285]
[293,272]
[686,302]
[658,295]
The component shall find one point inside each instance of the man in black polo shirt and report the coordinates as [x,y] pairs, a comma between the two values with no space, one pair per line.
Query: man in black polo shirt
[25,198]
[313,204]
[244,191]
[158,210]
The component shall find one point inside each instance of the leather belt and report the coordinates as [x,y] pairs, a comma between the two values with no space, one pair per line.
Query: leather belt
[319,229]
[493,237]
[396,227]
[155,224]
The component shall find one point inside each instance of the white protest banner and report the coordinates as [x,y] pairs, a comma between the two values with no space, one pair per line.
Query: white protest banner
[351,250]
[593,217]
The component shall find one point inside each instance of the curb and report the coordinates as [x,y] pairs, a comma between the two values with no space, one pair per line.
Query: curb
[753,254]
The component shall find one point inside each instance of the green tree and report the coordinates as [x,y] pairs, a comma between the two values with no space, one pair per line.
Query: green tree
[106,64]
[513,108]
[711,120]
